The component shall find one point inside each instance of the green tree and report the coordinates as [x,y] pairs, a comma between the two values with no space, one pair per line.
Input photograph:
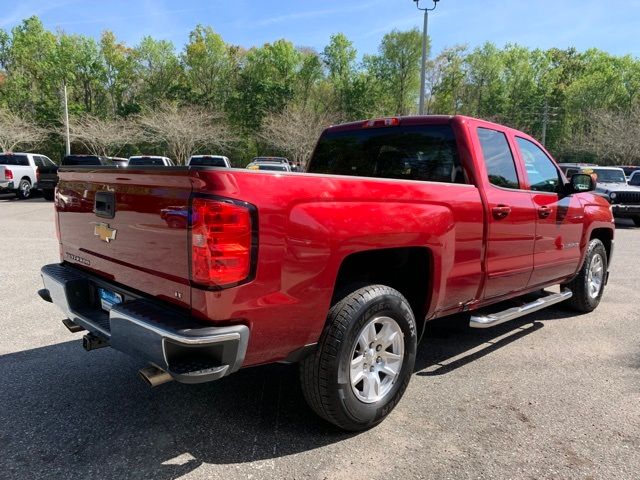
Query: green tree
[397,70]
[266,83]
[158,69]
[118,75]
[208,64]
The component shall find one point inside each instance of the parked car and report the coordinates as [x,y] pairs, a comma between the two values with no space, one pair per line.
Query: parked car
[20,173]
[629,169]
[209,161]
[260,163]
[150,160]
[612,185]
[634,179]
[49,176]
[396,222]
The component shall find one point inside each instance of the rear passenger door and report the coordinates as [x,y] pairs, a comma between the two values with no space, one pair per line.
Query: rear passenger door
[559,220]
[511,217]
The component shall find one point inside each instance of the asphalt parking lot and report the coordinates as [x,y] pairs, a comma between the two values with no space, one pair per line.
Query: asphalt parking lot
[553,395]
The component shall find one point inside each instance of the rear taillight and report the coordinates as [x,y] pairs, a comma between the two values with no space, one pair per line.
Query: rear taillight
[37,174]
[221,243]
[8,174]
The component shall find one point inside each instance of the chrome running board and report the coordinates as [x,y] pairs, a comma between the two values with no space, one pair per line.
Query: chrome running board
[493,319]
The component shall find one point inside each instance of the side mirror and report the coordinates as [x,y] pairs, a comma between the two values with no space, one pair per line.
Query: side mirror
[582,182]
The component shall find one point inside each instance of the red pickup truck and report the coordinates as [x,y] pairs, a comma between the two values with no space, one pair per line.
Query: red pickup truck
[396,221]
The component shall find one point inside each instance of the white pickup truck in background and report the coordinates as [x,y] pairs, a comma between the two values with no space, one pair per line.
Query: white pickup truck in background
[20,172]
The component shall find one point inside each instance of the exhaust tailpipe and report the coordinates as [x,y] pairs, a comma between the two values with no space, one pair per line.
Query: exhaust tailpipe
[154,376]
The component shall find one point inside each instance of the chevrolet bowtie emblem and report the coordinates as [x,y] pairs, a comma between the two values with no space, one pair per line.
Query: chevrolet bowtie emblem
[105,232]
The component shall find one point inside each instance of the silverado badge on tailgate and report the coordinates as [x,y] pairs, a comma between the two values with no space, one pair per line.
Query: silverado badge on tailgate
[105,232]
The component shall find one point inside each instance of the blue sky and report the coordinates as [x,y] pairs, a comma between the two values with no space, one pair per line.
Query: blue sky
[610,25]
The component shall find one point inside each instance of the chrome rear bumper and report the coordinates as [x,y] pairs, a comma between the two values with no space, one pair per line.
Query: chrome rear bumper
[190,351]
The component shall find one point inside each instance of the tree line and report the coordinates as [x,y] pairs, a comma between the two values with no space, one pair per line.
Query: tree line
[215,97]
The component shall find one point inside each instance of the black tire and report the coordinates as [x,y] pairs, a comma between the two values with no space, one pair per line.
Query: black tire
[636,221]
[325,375]
[24,189]
[48,194]
[583,300]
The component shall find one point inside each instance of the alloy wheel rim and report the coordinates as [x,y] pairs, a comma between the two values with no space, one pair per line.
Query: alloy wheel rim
[595,276]
[376,359]
[25,189]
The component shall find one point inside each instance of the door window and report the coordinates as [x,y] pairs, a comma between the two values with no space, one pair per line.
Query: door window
[501,167]
[542,172]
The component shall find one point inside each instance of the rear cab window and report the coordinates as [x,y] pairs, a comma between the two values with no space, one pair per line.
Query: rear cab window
[412,152]
[18,160]
[146,161]
[207,162]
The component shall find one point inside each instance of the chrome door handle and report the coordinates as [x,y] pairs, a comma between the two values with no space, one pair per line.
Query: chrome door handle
[544,211]
[501,211]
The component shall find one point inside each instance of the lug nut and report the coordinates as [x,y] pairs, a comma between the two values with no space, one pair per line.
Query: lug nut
[378,348]
[371,345]
[371,369]
[379,359]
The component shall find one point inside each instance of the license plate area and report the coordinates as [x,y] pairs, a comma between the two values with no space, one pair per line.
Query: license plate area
[108,298]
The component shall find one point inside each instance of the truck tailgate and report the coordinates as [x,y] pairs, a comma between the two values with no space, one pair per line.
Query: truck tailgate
[128,227]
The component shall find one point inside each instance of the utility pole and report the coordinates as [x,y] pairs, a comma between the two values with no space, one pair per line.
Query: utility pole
[545,122]
[66,119]
[423,69]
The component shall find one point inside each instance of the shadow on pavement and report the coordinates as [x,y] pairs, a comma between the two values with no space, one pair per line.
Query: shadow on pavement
[449,343]
[66,413]
[36,197]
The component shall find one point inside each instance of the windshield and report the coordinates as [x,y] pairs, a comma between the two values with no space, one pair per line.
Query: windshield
[415,152]
[14,160]
[207,162]
[610,176]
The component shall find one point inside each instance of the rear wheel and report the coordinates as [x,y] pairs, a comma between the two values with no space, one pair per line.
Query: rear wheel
[636,221]
[588,286]
[24,189]
[48,194]
[364,359]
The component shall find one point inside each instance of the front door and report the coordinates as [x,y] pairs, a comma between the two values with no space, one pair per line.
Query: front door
[511,218]
[559,217]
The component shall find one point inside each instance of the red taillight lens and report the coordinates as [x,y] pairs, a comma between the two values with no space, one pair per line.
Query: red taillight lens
[8,174]
[37,174]
[220,242]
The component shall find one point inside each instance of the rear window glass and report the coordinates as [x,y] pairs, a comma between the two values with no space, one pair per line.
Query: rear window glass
[14,160]
[146,161]
[207,162]
[416,152]
[279,168]
[71,160]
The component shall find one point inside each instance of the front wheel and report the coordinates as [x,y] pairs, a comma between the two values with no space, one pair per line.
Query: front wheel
[364,359]
[24,189]
[588,286]
[636,221]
